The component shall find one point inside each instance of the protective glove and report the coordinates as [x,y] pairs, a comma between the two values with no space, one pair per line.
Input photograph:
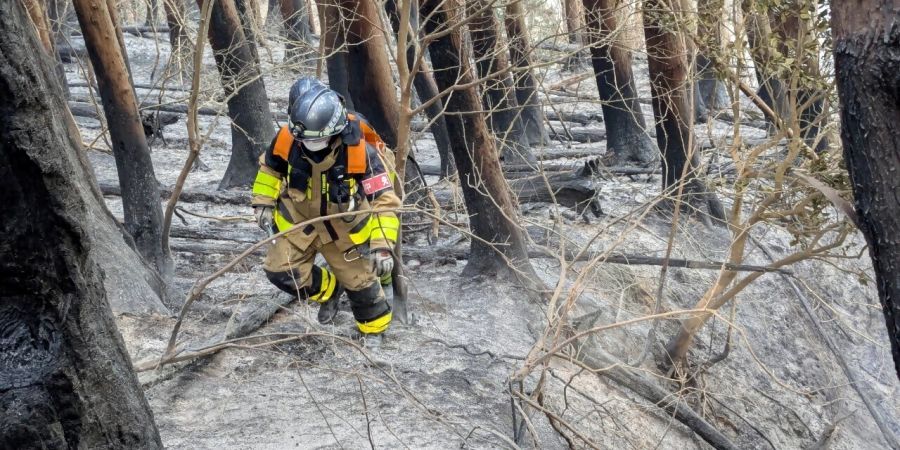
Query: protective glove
[382,261]
[265,217]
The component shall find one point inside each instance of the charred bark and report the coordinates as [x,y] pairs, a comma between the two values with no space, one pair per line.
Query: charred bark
[296,27]
[176,15]
[65,379]
[486,193]
[627,139]
[337,62]
[424,84]
[62,20]
[140,190]
[573,14]
[39,18]
[711,91]
[574,17]
[152,13]
[867,69]
[532,113]
[248,106]
[372,86]
[499,97]
[250,24]
[806,104]
[674,128]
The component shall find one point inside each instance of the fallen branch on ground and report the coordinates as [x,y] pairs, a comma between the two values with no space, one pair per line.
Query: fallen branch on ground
[577,78]
[219,197]
[577,117]
[427,254]
[855,383]
[140,30]
[571,189]
[511,170]
[606,365]
[80,84]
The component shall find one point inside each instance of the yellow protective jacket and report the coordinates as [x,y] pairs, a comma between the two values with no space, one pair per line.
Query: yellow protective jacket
[302,185]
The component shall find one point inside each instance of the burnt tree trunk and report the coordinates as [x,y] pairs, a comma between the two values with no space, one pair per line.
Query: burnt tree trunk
[140,190]
[758,33]
[120,36]
[38,15]
[674,119]
[487,196]
[296,27]
[337,63]
[372,87]
[62,20]
[627,139]
[248,106]
[793,100]
[805,102]
[710,88]
[527,96]
[574,20]
[575,27]
[176,17]
[499,96]
[867,69]
[423,82]
[65,378]
[152,13]
[250,24]
[711,91]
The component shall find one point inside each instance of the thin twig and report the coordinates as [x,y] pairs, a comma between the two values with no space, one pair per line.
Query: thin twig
[362,394]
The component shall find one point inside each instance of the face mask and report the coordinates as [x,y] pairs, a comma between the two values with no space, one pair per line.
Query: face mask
[315,145]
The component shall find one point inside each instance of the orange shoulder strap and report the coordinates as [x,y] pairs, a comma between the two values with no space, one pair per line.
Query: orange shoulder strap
[371,135]
[356,157]
[283,143]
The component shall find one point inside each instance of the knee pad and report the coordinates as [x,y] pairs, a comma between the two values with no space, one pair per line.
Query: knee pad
[370,309]
[318,287]
[289,281]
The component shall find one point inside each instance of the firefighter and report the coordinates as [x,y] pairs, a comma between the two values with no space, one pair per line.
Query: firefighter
[319,165]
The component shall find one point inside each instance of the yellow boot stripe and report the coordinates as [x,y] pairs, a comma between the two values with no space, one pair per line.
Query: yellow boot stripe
[375,326]
[329,282]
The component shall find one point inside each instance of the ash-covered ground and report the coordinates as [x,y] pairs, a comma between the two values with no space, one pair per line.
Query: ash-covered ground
[443,380]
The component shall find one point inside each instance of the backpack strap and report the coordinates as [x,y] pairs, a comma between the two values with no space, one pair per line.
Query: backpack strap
[368,132]
[355,143]
[283,143]
[356,157]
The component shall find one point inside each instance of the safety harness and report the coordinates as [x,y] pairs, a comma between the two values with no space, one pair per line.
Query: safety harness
[356,145]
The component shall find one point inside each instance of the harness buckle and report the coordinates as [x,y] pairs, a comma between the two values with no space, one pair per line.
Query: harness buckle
[362,251]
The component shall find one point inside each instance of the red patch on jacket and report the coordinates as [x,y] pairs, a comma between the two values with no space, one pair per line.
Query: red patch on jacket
[375,184]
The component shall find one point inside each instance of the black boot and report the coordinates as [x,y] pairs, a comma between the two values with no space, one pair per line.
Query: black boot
[329,309]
